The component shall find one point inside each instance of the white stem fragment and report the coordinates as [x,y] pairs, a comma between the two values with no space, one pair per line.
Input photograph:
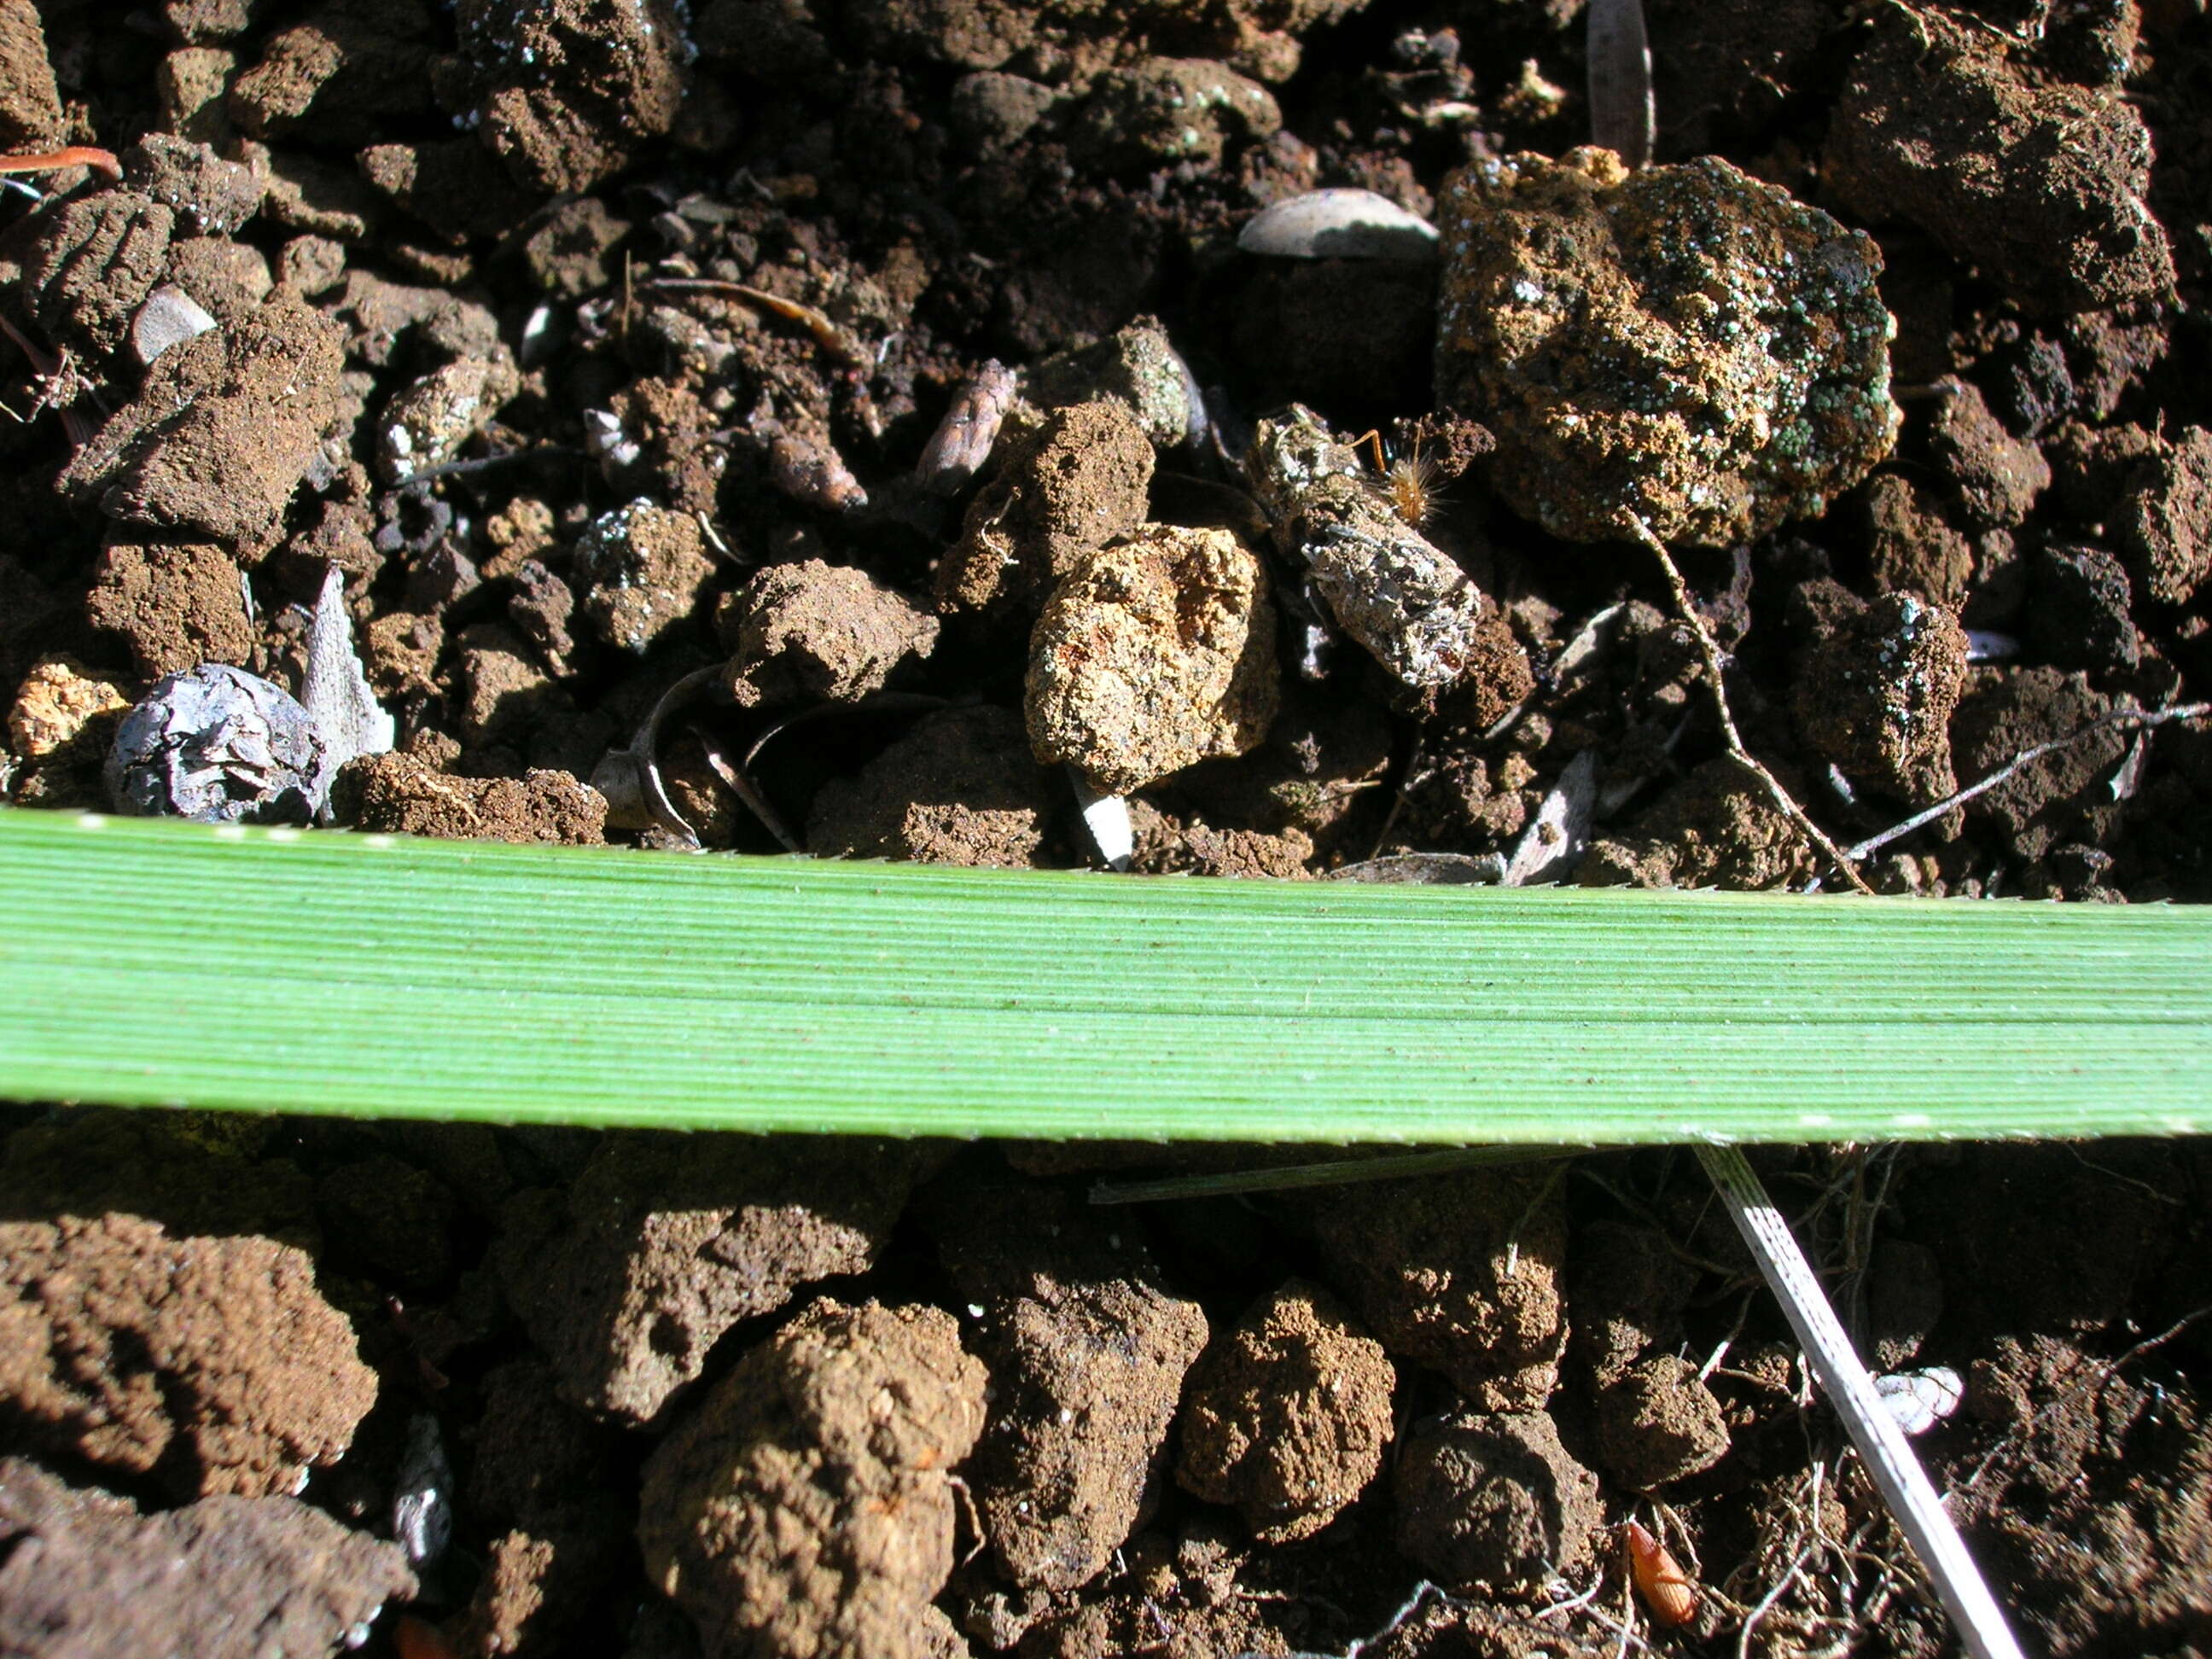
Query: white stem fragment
[336,692]
[1107,819]
[1874,1430]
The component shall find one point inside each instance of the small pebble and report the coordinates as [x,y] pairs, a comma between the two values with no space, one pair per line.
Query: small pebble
[218,745]
[169,316]
[1339,224]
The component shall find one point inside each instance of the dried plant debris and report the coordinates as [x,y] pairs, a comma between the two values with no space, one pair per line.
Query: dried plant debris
[1686,344]
[1387,586]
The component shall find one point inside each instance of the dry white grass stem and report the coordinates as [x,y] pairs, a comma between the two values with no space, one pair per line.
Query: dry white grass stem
[1889,1457]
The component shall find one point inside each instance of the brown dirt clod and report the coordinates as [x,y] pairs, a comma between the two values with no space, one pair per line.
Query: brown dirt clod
[1288,1414]
[210,1363]
[804,1507]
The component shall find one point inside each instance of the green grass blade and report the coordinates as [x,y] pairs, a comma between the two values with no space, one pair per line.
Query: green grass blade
[166,964]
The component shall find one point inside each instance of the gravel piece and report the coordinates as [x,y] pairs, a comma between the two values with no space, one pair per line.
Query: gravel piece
[1288,1414]
[58,706]
[1874,689]
[1163,110]
[1685,342]
[222,433]
[405,794]
[813,631]
[1077,482]
[2164,526]
[218,745]
[1152,655]
[960,787]
[572,88]
[1658,1422]
[804,1507]
[1460,1273]
[212,1365]
[1087,1353]
[642,569]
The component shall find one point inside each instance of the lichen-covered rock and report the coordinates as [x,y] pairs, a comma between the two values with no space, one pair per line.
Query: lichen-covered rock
[1152,654]
[1460,1273]
[666,1240]
[1087,1352]
[1288,1414]
[804,1507]
[211,1364]
[1493,1500]
[2036,184]
[223,430]
[1874,689]
[814,631]
[1685,344]
[82,1572]
[1077,482]
[644,568]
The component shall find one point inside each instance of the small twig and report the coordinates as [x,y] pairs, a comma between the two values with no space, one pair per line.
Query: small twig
[1904,1485]
[739,783]
[2119,717]
[832,338]
[53,161]
[1709,649]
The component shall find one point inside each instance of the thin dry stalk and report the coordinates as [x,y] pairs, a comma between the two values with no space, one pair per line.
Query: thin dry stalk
[1889,1458]
[2142,719]
[1710,650]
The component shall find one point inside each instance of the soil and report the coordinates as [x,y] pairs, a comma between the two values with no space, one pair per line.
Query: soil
[601,349]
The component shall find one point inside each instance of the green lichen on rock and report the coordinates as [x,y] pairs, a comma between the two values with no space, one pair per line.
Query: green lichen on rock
[1685,343]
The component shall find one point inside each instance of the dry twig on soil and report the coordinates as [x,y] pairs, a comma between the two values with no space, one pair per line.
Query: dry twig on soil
[1710,650]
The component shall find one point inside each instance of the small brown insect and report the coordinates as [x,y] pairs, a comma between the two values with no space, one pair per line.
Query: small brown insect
[1666,1588]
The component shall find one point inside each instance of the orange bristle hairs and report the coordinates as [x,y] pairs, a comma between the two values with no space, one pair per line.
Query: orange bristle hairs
[1666,1588]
